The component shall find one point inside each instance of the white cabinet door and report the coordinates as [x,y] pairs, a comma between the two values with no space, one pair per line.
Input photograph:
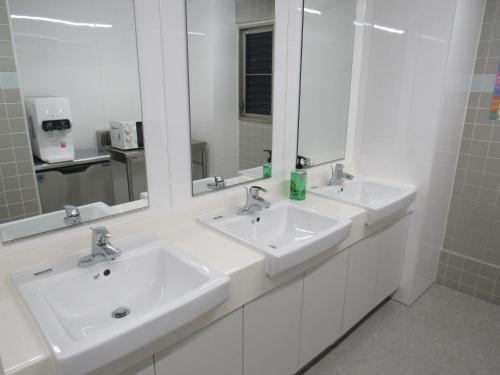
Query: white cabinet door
[390,264]
[361,281]
[215,350]
[322,306]
[272,331]
[144,368]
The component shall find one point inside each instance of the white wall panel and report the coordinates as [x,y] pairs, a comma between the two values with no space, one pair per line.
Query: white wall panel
[401,132]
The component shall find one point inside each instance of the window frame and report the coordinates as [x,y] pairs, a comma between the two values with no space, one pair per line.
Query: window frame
[243,30]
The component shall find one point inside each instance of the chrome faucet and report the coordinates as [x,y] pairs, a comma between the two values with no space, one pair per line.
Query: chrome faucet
[72,215]
[338,175]
[254,201]
[219,183]
[102,249]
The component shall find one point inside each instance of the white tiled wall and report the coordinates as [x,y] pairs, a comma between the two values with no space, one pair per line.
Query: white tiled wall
[327,56]
[84,50]
[254,10]
[402,132]
[213,81]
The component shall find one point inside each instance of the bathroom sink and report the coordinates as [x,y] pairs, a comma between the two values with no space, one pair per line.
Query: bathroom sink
[93,316]
[51,221]
[286,233]
[379,198]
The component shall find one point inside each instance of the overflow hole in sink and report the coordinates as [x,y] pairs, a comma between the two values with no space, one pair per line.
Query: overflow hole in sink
[120,312]
[273,246]
[106,272]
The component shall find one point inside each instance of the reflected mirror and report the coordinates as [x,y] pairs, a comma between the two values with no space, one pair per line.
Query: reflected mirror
[71,132]
[327,51]
[230,53]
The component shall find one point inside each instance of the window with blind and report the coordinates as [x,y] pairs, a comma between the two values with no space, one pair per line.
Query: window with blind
[256,73]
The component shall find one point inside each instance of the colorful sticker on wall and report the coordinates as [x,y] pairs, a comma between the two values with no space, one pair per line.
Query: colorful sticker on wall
[495,99]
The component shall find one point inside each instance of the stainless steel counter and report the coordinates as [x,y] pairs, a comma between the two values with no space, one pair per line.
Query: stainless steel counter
[81,157]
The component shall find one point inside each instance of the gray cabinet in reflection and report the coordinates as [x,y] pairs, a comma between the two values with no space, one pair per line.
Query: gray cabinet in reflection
[199,166]
[85,180]
[129,174]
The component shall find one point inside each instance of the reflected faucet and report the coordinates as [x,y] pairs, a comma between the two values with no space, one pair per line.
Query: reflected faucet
[304,161]
[72,215]
[338,175]
[254,201]
[219,183]
[102,249]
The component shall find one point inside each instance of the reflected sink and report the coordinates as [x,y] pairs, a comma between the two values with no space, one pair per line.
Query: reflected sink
[51,221]
[286,233]
[93,316]
[379,198]
[255,173]
[202,186]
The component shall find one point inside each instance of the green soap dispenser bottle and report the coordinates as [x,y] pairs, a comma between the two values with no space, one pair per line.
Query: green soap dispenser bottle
[298,180]
[267,169]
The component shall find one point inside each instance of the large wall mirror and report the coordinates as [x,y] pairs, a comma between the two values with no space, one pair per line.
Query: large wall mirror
[327,55]
[230,53]
[71,131]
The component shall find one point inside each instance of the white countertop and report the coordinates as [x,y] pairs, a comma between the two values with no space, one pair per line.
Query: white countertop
[23,350]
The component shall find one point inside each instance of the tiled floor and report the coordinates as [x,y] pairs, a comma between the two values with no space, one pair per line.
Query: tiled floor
[444,333]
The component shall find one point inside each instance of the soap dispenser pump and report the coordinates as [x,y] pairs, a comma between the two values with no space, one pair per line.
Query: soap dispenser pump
[267,167]
[298,179]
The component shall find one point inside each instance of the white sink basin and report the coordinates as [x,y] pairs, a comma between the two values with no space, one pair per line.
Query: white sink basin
[156,287]
[286,233]
[379,198]
[51,221]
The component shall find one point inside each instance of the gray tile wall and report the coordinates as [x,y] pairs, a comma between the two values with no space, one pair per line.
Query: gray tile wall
[18,192]
[253,10]
[470,260]
[255,137]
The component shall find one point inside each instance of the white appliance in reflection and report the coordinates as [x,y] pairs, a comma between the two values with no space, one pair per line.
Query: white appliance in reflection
[126,135]
[50,127]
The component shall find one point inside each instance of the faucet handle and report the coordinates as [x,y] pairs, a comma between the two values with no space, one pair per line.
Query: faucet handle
[219,183]
[255,190]
[101,233]
[71,210]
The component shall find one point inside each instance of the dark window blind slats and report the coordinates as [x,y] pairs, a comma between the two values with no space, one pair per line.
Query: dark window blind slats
[258,75]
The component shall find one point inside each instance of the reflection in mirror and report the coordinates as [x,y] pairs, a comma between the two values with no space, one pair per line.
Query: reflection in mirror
[327,50]
[230,52]
[71,139]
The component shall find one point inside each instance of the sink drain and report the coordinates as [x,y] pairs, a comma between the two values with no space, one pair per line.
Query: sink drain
[120,312]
